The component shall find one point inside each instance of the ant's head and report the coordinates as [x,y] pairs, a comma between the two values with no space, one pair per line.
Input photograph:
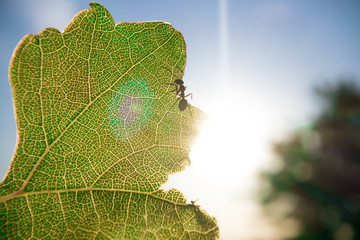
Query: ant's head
[179,81]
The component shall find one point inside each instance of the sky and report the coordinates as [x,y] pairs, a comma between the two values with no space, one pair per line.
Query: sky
[251,66]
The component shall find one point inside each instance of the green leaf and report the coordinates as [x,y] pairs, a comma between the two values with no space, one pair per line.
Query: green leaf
[98,136]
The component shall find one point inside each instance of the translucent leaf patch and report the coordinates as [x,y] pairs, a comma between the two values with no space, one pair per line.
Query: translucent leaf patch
[98,136]
[131,108]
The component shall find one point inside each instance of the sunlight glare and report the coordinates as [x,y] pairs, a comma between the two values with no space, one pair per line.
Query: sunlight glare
[233,145]
[236,138]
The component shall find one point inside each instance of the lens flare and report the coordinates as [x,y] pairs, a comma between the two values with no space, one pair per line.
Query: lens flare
[131,108]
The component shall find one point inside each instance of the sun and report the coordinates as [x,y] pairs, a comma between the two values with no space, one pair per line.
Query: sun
[233,143]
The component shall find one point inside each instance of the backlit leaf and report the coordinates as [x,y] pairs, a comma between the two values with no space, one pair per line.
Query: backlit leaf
[98,136]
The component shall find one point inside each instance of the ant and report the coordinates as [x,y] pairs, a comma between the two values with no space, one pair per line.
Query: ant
[180,93]
[193,203]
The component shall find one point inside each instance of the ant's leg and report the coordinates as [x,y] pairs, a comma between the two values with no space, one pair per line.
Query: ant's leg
[185,87]
[190,116]
[173,104]
[176,88]
[189,95]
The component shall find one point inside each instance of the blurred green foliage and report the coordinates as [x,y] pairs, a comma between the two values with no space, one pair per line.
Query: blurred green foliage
[319,177]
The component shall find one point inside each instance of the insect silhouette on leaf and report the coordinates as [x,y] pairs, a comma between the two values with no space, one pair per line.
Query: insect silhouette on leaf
[180,93]
[193,203]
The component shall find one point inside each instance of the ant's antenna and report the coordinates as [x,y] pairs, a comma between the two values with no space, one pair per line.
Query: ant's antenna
[182,72]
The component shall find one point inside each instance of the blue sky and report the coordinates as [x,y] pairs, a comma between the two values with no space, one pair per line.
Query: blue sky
[276,52]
